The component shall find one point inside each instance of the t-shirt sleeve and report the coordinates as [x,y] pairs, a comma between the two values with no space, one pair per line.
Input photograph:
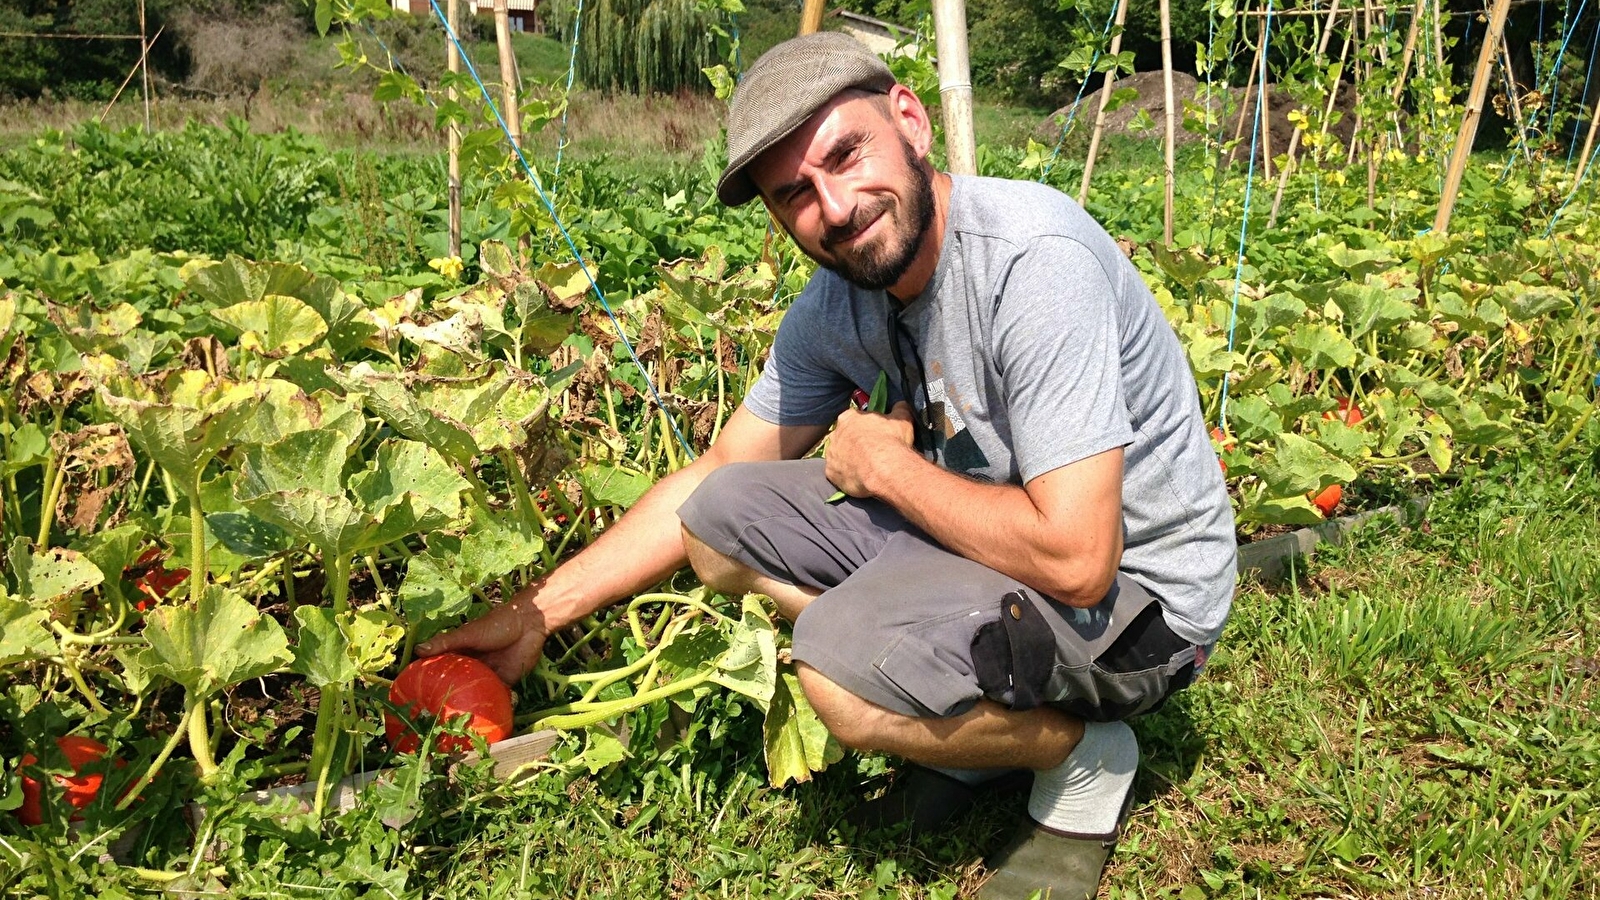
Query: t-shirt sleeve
[1057,347]
[797,387]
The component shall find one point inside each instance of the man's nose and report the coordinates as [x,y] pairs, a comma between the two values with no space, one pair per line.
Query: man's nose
[837,202]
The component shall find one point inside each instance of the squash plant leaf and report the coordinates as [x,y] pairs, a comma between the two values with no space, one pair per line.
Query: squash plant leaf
[1295,510]
[796,742]
[274,326]
[387,396]
[219,642]
[435,587]
[1299,465]
[1254,419]
[495,544]
[321,651]
[750,665]
[1524,303]
[1319,346]
[111,552]
[24,634]
[44,577]
[1375,306]
[608,485]
[183,429]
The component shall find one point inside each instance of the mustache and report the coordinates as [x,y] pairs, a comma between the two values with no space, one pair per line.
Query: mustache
[862,216]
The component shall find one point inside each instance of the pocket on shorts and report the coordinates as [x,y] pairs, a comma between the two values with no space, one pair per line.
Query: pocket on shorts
[1014,655]
[1094,694]
[930,663]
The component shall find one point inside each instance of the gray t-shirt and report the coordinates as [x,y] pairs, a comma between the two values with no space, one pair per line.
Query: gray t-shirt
[1035,344]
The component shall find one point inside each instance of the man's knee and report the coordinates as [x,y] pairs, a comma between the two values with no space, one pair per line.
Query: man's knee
[856,723]
[715,570]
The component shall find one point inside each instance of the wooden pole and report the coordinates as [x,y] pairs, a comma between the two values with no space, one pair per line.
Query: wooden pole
[144,63]
[1249,98]
[508,69]
[1294,139]
[1588,142]
[1407,52]
[1516,101]
[1105,98]
[1171,117]
[1265,97]
[1372,142]
[811,16]
[955,86]
[453,61]
[1469,122]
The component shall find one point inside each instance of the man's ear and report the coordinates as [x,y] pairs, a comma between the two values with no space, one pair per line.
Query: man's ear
[911,118]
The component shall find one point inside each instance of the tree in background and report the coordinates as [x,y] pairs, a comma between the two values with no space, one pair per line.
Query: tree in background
[646,46]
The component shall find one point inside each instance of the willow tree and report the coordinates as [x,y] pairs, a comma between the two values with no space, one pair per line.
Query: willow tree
[645,46]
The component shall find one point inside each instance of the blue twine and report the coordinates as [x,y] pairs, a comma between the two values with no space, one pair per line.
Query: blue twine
[1551,81]
[1570,26]
[1574,193]
[1073,113]
[572,66]
[533,179]
[1577,121]
[1244,224]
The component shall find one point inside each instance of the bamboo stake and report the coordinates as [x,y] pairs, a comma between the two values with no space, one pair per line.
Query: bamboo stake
[1469,122]
[1171,117]
[1333,96]
[1249,98]
[1588,142]
[1266,109]
[1516,101]
[453,61]
[955,86]
[811,16]
[1372,142]
[1407,52]
[1294,138]
[508,69]
[1105,98]
[144,63]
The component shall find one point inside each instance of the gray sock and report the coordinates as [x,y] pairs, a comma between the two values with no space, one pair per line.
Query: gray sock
[1085,793]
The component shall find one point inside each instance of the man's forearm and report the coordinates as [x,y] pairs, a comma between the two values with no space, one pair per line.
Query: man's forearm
[997,525]
[643,548]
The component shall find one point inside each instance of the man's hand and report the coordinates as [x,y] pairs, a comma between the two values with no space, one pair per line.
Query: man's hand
[864,444]
[509,638]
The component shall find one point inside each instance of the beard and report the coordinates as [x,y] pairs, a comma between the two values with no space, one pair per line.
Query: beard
[877,266]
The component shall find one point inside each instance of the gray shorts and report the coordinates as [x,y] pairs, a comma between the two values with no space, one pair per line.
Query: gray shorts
[916,629]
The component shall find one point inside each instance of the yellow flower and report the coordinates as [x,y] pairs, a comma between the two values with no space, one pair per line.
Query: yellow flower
[1439,95]
[448,266]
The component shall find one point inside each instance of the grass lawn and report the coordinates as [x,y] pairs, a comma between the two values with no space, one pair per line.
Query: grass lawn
[1412,716]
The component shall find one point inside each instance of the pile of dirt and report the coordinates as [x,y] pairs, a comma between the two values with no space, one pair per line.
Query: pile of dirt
[1186,89]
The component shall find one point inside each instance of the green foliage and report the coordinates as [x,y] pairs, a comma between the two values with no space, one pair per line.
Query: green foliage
[646,46]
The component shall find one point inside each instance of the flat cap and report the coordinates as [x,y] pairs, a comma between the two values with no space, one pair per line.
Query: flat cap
[781,91]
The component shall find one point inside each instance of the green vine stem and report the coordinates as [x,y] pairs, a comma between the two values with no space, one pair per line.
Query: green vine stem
[330,704]
[581,714]
[200,735]
[150,774]
[197,540]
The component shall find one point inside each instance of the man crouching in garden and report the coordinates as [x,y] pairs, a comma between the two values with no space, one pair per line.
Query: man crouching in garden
[1036,544]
